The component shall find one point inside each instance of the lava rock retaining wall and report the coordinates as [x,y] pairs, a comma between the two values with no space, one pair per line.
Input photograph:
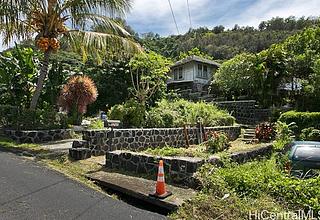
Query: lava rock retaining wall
[38,136]
[102,141]
[245,111]
[244,156]
[178,170]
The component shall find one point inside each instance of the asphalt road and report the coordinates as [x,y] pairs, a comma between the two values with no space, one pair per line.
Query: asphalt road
[31,191]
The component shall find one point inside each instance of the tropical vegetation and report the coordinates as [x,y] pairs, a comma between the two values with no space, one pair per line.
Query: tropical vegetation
[222,43]
[235,191]
[284,74]
[170,113]
[53,24]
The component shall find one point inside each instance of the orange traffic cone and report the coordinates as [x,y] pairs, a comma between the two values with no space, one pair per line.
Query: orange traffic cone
[161,191]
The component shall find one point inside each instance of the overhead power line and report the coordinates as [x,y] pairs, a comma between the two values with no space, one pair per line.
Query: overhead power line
[174,18]
[189,14]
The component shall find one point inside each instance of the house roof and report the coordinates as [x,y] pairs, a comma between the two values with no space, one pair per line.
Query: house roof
[196,58]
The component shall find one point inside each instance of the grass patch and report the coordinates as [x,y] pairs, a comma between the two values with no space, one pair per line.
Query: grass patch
[238,146]
[57,161]
[200,150]
[229,206]
[73,169]
[192,151]
[30,148]
[235,190]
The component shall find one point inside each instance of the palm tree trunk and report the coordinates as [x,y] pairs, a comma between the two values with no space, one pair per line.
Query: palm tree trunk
[42,77]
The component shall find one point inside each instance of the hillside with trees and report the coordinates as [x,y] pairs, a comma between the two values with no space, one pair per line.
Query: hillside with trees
[222,43]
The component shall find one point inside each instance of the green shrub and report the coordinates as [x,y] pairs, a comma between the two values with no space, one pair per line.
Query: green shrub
[26,119]
[180,112]
[302,120]
[96,124]
[310,134]
[116,112]
[8,114]
[131,113]
[217,142]
[284,134]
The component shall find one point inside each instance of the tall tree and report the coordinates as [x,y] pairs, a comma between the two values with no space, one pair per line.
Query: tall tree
[52,22]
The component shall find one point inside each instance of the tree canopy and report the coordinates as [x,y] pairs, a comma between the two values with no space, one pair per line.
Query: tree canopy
[223,44]
[291,67]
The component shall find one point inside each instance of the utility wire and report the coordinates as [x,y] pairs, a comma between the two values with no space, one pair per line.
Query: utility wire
[189,14]
[174,18]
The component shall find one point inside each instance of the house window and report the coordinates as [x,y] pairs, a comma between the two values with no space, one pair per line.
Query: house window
[202,71]
[175,74]
[178,73]
[205,72]
[199,70]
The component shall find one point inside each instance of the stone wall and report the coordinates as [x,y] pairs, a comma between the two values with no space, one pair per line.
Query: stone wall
[178,170]
[101,141]
[244,156]
[245,111]
[38,136]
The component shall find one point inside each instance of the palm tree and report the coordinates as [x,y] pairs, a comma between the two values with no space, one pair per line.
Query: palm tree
[67,22]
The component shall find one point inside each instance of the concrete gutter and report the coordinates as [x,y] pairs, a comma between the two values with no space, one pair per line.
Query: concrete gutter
[141,188]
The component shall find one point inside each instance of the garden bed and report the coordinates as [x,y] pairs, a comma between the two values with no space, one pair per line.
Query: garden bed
[180,163]
[200,151]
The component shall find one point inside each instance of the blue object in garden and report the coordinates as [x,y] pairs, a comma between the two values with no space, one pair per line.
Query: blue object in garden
[103,116]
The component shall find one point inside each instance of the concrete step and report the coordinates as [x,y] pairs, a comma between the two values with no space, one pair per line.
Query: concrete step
[250,129]
[250,133]
[140,188]
[250,140]
[248,126]
[249,136]
[61,145]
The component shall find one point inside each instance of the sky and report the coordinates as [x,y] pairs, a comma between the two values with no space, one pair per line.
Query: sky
[155,15]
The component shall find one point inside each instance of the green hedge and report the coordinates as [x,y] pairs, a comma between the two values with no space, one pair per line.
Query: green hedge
[169,114]
[131,113]
[180,112]
[302,119]
[12,117]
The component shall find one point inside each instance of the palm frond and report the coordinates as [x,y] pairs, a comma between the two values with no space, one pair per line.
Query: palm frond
[100,45]
[18,30]
[105,24]
[110,8]
[12,18]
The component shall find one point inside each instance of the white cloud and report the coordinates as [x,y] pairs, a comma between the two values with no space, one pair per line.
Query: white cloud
[155,15]
[265,10]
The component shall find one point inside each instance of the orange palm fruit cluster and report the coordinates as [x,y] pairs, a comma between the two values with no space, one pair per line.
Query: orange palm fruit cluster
[54,43]
[45,43]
